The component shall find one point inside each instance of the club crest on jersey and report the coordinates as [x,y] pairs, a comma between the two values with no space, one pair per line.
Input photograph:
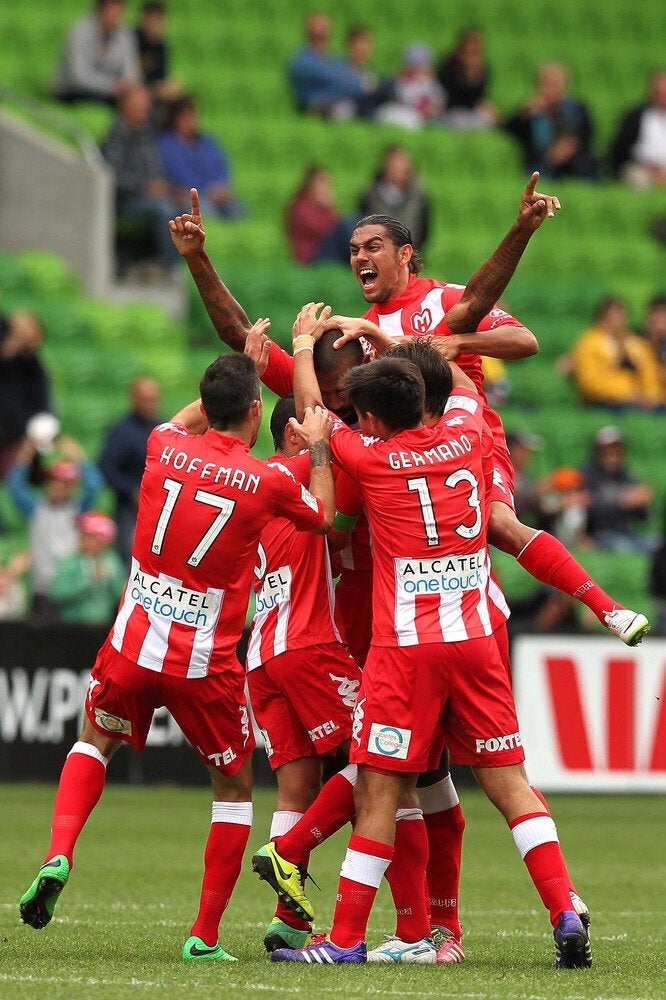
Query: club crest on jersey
[389,741]
[421,322]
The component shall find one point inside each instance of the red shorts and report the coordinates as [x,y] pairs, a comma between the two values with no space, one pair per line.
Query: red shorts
[304,700]
[211,711]
[353,611]
[415,698]
[504,476]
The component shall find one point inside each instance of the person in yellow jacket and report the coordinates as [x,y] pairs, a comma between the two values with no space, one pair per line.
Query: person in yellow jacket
[613,366]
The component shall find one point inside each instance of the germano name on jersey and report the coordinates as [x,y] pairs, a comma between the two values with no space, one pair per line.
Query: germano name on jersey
[446,574]
[239,479]
[456,448]
[276,589]
[170,600]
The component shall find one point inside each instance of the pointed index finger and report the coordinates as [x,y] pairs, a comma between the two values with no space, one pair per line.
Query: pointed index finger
[196,209]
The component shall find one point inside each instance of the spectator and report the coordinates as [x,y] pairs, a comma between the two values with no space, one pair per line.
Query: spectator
[618,502]
[52,515]
[374,92]
[417,89]
[142,191]
[395,191]
[496,381]
[612,366]
[192,158]
[638,150]
[654,331]
[464,76]
[657,583]
[100,58]
[548,609]
[88,584]
[555,129]
[522,446]
[317,231]
[24,382]
[153,49]
[12,588]
[123,457]
[324,84]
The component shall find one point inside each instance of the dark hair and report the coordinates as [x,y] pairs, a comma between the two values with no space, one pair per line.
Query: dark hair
[392,389]
[153,7]
[434,368]
[356,30]
[399,235]
[657,302]
[176,108]
[282,411]
[327,359]
[228,388]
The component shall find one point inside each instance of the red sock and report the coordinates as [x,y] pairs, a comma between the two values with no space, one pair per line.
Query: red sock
[81,785]
[445,835]
[333,807]
[361,874]
[542,799]
[535,836]
[546,559]
[229,831]
[406,871]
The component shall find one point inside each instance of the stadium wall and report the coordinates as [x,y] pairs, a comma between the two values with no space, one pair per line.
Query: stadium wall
[592,715]
[52,198]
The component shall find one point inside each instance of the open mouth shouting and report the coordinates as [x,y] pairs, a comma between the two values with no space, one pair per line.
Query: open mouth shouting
[367,278]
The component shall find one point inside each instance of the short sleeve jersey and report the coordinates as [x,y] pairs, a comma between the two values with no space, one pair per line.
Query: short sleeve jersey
[423,492]
[421,310]
[292,582]
[204,501]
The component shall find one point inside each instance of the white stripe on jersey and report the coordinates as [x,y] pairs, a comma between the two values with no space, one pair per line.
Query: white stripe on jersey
[204,640]
[331,593]
[127,606]
[404,612]
[451,620]
[496,594]
[391,323]
[156,642]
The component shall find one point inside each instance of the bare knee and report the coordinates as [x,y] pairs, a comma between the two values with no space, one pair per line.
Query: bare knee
[237,788]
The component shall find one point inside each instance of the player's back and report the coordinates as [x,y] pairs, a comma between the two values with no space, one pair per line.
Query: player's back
[425,498]
[203,503]
[293,584]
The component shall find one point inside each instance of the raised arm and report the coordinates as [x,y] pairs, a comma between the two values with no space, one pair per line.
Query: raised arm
[315,430]
[487,284]
[227,315]
[306,330]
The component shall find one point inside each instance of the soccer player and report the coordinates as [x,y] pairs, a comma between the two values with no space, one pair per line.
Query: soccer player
[386,267]
[302,682]
[433,656]
[204,501]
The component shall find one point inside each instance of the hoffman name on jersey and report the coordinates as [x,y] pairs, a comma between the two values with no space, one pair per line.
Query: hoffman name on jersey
[247,482]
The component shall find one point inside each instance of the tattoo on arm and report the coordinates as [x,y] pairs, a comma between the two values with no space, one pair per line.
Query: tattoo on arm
[488,283]
[227,315]
[320,454]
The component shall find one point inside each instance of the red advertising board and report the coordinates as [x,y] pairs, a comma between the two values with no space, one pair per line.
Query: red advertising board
[592,713]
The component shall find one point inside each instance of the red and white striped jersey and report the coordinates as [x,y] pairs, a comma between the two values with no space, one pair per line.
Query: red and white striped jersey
[421,310]
[204,502]
[424,494]
[293,584]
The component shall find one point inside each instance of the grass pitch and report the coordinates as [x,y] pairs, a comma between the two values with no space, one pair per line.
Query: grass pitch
[122,919]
